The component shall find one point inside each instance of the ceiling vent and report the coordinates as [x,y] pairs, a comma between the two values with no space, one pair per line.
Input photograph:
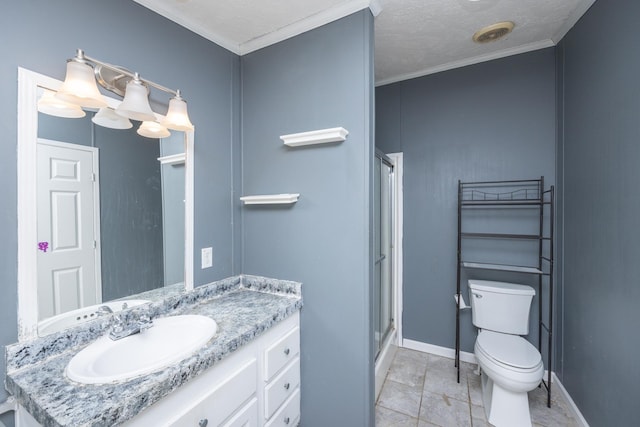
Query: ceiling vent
[493,32]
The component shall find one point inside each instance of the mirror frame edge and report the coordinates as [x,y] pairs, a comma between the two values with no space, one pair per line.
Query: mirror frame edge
[27,133]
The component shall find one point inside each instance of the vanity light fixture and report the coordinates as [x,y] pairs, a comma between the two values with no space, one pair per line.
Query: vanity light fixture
[151,129]
[108,118]
[80,88]
[50,104]
[135,104]
[177,117]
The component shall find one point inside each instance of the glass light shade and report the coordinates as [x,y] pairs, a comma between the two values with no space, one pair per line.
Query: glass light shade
[49,104]
[177,117]
[135,104]
[108,118]
[153,130]
[80,86]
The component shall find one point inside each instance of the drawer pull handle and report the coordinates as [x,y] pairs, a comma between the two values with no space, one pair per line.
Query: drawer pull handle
[203,423]
[287,351]
[286,386]
[286,420]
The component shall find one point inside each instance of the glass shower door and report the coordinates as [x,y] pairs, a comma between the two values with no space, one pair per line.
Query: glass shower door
[383,250]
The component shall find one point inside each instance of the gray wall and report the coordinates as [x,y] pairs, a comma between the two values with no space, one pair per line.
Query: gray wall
[320,79]
[44,34]
[130,213]
[490,121]
[602,213]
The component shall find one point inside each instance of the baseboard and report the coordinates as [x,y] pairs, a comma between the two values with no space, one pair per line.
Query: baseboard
[572,405]
[438,351]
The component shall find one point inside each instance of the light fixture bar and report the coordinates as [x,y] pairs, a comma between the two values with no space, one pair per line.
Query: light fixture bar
[81,57]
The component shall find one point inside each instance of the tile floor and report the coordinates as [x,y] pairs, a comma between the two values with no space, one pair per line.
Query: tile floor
[421,390]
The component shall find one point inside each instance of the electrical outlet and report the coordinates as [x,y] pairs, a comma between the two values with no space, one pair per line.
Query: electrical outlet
[207,257]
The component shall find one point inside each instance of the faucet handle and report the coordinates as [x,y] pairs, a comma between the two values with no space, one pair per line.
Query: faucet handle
[104,309]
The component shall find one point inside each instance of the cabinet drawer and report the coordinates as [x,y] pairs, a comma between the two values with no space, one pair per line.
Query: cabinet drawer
[246,417]
[289,413]
[282,352]
[219,403]
[281,388]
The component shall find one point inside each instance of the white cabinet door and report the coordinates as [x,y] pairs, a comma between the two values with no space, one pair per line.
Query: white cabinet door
[282,352]
[282,386]
[289,413]
[246,417]
[215,406]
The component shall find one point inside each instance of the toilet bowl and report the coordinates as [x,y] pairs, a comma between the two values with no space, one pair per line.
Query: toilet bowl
[510,367]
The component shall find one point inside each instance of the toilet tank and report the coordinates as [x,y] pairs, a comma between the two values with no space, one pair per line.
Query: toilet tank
[500,307]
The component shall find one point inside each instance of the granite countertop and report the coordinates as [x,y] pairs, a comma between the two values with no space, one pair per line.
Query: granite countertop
[243,307]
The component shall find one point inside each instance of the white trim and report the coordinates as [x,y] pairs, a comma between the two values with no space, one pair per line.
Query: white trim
[376,8]
[192,26]
[320,136]
[286,32]
[27,200]
[576,14]
[270,199]
[173,159]
[469,61]
[572,405]
[438,350]
[398,215]
[304,25]
[189,214]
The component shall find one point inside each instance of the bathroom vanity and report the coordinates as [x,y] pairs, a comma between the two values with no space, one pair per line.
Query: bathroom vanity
[247,374]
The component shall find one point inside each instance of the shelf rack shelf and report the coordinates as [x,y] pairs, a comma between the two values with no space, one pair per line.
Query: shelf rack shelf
[518,196]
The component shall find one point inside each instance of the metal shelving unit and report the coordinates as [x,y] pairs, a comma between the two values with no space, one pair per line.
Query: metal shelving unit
[518,197]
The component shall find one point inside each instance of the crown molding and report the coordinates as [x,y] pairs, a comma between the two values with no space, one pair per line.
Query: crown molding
[304,25]
[286,32]
[568,24]
[469,61]
[191,26]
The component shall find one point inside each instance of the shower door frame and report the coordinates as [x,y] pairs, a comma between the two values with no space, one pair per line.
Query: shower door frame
[394,340]
[389,254]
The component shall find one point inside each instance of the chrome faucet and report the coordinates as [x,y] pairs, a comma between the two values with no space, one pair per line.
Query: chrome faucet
[122,329]
[104,309]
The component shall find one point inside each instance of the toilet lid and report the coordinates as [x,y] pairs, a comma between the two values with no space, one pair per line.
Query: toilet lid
[511,350]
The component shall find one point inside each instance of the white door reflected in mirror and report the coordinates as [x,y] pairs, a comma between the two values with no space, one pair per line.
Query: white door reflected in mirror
[68,228]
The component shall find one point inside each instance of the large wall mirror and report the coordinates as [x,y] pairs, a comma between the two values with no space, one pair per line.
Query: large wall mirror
[105,216]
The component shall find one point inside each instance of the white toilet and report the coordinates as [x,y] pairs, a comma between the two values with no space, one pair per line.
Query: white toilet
[510,365]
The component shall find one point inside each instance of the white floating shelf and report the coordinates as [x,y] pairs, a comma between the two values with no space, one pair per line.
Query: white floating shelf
[315,137]
[174,159]
[270,199]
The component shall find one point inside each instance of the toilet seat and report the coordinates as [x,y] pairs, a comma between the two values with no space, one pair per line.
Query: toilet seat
[511,352]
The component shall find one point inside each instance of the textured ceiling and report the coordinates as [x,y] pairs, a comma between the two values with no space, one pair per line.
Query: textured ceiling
[413,37]
[417,37]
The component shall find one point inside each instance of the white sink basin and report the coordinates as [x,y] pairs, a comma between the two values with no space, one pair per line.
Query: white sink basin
[168,341]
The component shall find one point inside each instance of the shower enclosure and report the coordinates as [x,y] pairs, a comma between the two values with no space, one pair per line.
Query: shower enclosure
[383,251]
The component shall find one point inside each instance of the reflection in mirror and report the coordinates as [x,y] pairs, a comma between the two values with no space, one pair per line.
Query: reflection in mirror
[103,218]
[110,214]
